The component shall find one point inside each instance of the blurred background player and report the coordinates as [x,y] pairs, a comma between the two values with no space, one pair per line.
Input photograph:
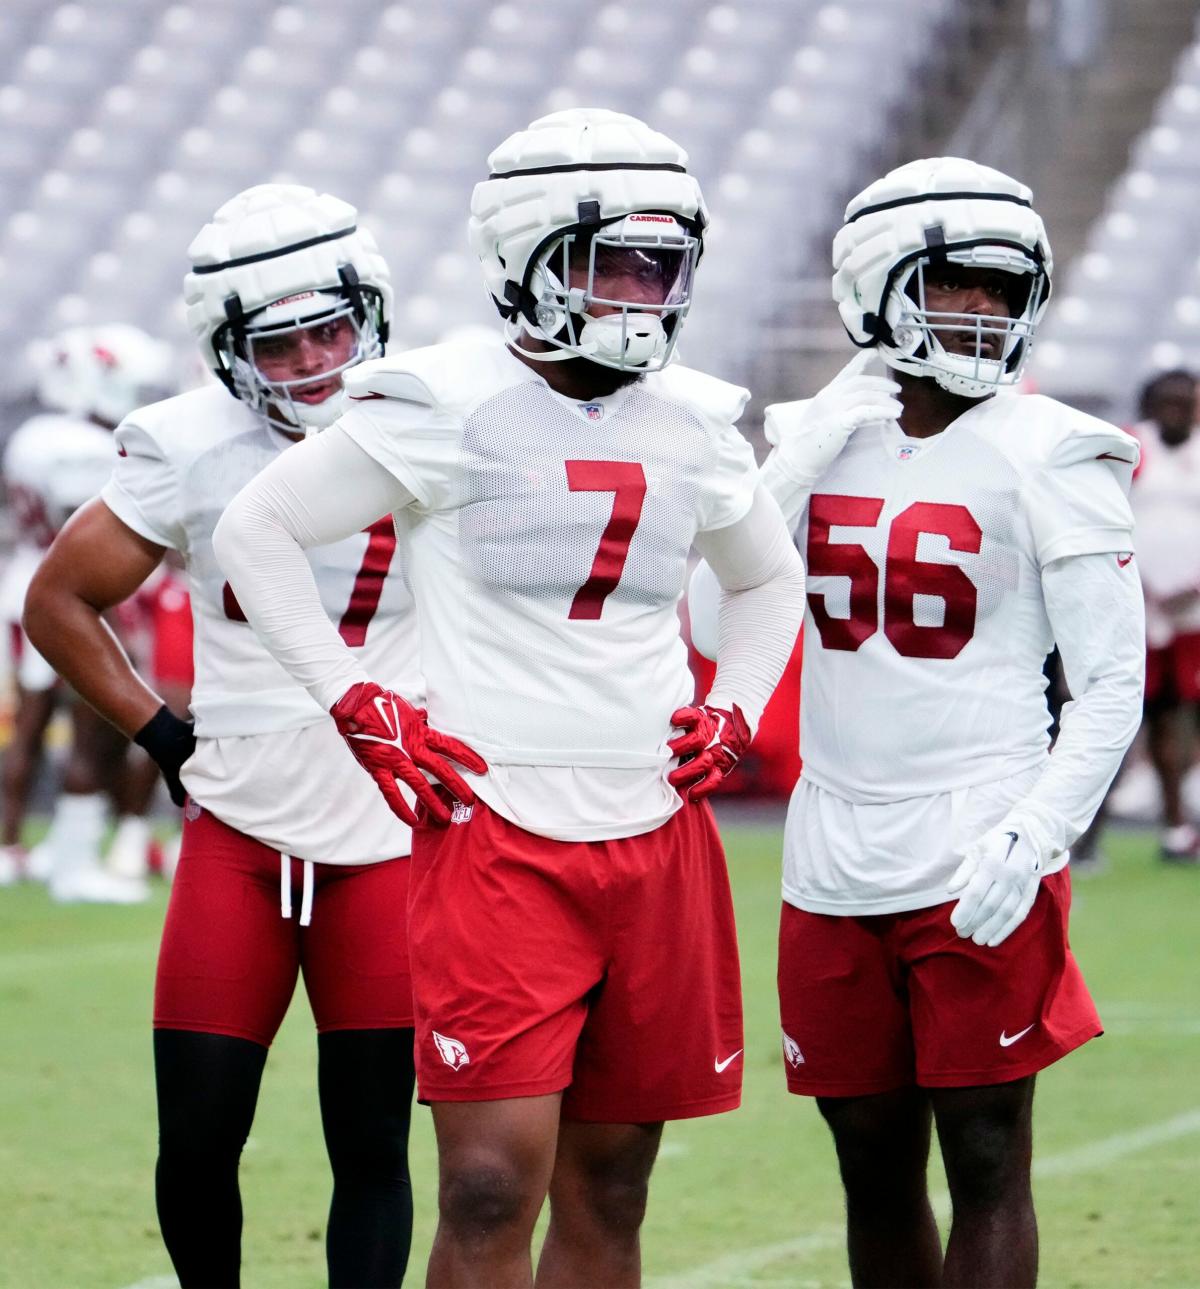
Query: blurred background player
[1166,506]
[286,292]
[954,531]
[89,378]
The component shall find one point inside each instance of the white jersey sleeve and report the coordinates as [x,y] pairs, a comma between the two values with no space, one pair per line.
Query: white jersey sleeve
[728,487]
[1078,500]
[143,491]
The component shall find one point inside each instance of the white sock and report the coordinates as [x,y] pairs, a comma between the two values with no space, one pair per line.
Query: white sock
[76,830]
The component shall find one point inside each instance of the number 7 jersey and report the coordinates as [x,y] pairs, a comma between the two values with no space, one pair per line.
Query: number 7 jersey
[926,630]
[548,542]
[269,761]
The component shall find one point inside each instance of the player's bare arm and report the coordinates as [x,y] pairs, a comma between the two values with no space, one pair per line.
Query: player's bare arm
[95,563]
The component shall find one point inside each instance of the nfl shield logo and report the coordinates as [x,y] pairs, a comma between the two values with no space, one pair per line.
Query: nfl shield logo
[461,813]
[906,452]
[593,411]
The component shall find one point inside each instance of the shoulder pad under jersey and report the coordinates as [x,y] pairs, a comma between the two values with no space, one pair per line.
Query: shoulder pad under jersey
[1073,437]
[718,401]
[450,377]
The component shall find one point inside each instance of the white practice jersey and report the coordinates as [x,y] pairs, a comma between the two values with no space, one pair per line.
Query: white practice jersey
[926,630]
[549,542]
[1166,506]
[269,760]
[52,465]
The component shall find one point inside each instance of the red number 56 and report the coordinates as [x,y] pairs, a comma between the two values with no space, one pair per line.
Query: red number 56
[904,575]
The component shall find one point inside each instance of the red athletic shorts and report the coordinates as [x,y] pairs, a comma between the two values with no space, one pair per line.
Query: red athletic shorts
[229,958]
[1173,672]
[869,1004]
[608,969]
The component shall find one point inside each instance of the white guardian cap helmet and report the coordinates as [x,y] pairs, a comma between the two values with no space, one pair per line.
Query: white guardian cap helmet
[599,189]
[276,259]
[924,215]
[102,372]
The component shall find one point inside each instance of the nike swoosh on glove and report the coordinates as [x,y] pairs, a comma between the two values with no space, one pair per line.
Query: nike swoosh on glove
[809,434]
[712,743]
[391,740]
[999,879]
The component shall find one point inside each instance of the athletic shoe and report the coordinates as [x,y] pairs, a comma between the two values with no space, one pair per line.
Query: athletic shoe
[1179,845]
[91,884]
[129,851]
[39,863]
[11,858]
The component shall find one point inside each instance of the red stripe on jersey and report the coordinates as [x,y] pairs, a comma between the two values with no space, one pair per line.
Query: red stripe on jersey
[368,585]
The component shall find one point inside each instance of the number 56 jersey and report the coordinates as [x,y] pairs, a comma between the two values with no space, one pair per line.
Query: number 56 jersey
[926,629]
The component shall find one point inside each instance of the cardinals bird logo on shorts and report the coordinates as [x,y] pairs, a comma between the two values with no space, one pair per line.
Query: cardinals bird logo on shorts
[452,1051]
[791,1050]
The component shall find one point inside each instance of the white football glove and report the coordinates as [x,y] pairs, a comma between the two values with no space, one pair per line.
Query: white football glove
[999,879]
[809,434]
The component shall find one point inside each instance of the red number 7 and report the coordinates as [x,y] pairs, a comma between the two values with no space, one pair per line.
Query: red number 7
[626,480]
[365,593]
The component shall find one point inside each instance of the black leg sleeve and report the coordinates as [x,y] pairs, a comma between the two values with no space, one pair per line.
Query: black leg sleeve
[366,1081]
[207,1090]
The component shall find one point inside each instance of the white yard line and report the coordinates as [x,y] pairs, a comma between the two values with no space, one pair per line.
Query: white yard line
[735,1269]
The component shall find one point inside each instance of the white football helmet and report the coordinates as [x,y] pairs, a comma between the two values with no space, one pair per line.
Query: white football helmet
[589,180]
[103,372]
[923,214]
[275,259]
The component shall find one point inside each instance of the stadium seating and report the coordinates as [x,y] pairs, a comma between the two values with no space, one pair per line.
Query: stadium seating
[1130,304]
[124,123]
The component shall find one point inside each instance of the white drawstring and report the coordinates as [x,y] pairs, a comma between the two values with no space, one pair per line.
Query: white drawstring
[285,889]
[285,885]
[306,898]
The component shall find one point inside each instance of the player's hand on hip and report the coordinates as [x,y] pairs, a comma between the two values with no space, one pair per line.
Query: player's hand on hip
[169,741]
[392,741]
[711,744]
[999,879]
[809,434]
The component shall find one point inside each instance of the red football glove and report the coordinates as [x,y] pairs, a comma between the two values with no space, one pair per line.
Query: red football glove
[390,740]
[712,742]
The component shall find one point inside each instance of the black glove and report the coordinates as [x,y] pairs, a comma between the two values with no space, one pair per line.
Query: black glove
[170,742]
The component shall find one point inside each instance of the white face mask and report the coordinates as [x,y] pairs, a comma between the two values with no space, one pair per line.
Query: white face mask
[277,332]
[976,373]
[650,257]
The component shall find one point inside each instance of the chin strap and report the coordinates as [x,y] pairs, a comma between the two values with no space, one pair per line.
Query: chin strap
[514,328]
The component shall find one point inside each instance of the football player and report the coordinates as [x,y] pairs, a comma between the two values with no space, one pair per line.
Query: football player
[574,958]
[88,378]
[1166,506]
[954,531]
[290,861]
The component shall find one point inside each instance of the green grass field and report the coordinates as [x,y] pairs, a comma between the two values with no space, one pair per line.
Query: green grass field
[745,1199]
